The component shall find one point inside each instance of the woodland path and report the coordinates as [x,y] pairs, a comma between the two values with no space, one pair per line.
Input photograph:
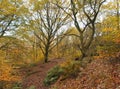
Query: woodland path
[35,75]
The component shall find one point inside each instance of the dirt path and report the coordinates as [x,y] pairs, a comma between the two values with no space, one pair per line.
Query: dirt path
[35,75]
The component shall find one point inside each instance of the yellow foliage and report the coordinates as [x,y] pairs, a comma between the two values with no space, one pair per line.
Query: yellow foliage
[71,68]
[40,57]
[38,4]
[111,42]
[4,5]
[117,36]
[22,10]
[107,30]
[66,63]
[73,30]
[110,5]
[5,73]
[112,35]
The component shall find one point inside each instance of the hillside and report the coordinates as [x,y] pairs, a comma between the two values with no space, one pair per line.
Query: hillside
[99,74]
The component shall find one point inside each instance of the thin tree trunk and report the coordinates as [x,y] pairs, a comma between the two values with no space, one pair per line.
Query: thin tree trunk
[118,27]
[46,53]
[46,57]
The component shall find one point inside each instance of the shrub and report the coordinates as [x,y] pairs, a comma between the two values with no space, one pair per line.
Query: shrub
[67,69]
[53,75]
[32,87]
[17,85]
[54,87]
[70,68]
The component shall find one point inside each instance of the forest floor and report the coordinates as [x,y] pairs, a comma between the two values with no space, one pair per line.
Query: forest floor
[34,76]
[99,74]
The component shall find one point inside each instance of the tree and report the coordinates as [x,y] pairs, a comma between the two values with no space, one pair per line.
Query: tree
[6,16]
[47,22]
[12,46]
[118,17]
[84,14]
[112,9]
[10,19]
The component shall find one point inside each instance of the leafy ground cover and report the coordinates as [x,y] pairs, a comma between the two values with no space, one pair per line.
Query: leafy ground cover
[99,74]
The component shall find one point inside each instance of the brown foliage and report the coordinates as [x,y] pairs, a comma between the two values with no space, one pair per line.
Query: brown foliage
[101,73]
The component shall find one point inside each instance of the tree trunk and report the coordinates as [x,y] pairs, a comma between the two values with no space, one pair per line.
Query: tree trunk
[83,54]
[118,27]
[46,57]
[46,53]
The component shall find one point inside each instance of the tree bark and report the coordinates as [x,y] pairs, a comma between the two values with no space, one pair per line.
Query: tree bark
[118,27]
[46,57]
[46,52]
[83,54]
